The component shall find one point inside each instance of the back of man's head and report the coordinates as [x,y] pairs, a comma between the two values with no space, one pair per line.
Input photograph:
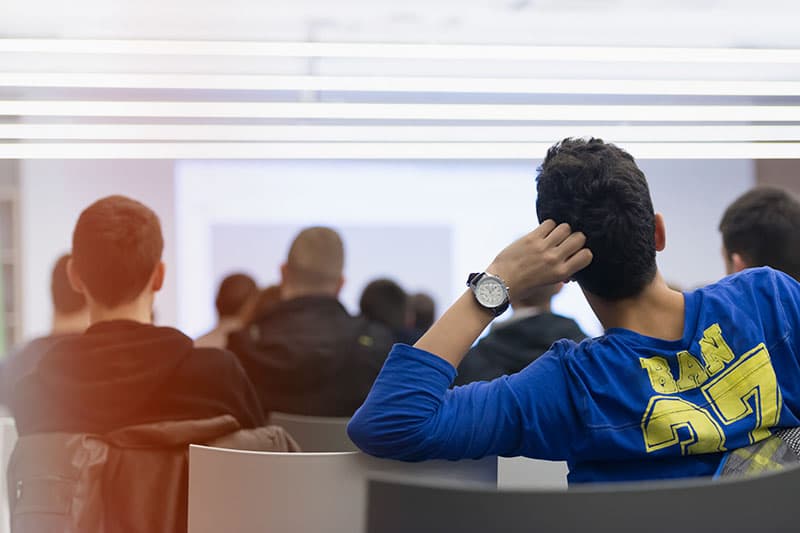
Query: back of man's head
[763,227]
[66,300]
[315,263]
[384,301]
[116,246]
[599,190]
[234,292]
[423,309]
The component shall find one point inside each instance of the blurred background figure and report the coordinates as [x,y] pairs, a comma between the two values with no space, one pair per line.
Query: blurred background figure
[515,343]
[70,317]
[70,312]
[264,300]
[235,293]
[307,355]
[762,228]
[385,302]
[422,311]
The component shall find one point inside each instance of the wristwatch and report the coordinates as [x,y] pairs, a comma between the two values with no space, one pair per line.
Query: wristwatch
[490,292]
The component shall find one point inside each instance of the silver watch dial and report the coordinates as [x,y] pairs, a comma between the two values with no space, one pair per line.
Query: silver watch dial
[490,292]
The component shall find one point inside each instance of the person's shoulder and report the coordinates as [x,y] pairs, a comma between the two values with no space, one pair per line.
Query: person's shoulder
[212,363]
[751,283]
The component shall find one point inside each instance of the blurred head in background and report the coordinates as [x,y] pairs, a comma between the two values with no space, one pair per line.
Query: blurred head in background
[385,302]
[314,266]
[234,293]
[70,312]
[422,310]
[762,228]
[264,300]
[116,259]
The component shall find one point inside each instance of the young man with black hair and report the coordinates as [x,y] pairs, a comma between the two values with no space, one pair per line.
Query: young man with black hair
[762,228]
[676,381]
[123,371]
[234,298]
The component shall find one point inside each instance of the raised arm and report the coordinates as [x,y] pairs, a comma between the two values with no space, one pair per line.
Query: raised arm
[409,414]
[548,254]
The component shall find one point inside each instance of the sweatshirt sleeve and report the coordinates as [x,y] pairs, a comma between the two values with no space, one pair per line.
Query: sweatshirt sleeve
[412,415]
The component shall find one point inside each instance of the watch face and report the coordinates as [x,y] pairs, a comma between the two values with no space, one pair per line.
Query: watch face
[490,292]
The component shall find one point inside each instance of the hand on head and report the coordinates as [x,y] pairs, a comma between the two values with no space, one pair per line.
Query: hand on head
[549,254]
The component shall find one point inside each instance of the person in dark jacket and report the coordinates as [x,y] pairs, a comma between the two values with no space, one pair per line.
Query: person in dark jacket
[385,302]
[124,371]
[307,355]
[70,317]
[515,343]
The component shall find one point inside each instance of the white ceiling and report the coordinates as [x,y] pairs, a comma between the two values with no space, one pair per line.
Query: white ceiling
[694,23]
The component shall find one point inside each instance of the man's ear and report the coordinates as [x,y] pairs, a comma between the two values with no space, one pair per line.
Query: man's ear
[157,281]
[340,285]
[284,273]
[74,279]
[661,233]
[738,263]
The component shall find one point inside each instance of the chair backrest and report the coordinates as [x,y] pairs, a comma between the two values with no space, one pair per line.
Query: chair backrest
[259,492]
[316,433]
[765,503]
[8,439]
[525,473]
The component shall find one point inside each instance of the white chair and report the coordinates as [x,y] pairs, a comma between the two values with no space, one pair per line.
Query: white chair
[316,433]
[8,439]
[262,492]
[514,473]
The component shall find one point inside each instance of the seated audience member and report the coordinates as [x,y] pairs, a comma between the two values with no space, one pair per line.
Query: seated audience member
[124,371]
[677,380]
[70,317]
[235,292]
[262,302]
[422,311]
[385,302]
[762,228]
[513,344]
[307,355]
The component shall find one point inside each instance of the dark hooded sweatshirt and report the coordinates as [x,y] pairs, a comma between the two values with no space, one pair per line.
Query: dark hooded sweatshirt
[511,346]
[122,373]
[309,356]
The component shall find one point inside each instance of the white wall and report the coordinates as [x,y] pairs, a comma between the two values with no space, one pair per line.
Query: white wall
[53,193]
[486,204]
[692,196]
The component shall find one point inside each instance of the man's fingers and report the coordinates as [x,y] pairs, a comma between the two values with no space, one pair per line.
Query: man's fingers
[578,261]
[544,229]
[571,244]
[558,235]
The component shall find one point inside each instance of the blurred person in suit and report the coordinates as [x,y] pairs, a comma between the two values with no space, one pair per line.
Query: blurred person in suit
[513,344]
[307,355]
[70,317]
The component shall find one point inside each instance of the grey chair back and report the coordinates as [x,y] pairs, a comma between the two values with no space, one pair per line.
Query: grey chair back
[767,503]
[315,433]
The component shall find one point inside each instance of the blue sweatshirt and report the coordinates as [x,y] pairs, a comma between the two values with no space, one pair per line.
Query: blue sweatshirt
[619,407]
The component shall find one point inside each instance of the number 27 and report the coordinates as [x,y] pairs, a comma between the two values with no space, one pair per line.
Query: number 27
[747,388]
